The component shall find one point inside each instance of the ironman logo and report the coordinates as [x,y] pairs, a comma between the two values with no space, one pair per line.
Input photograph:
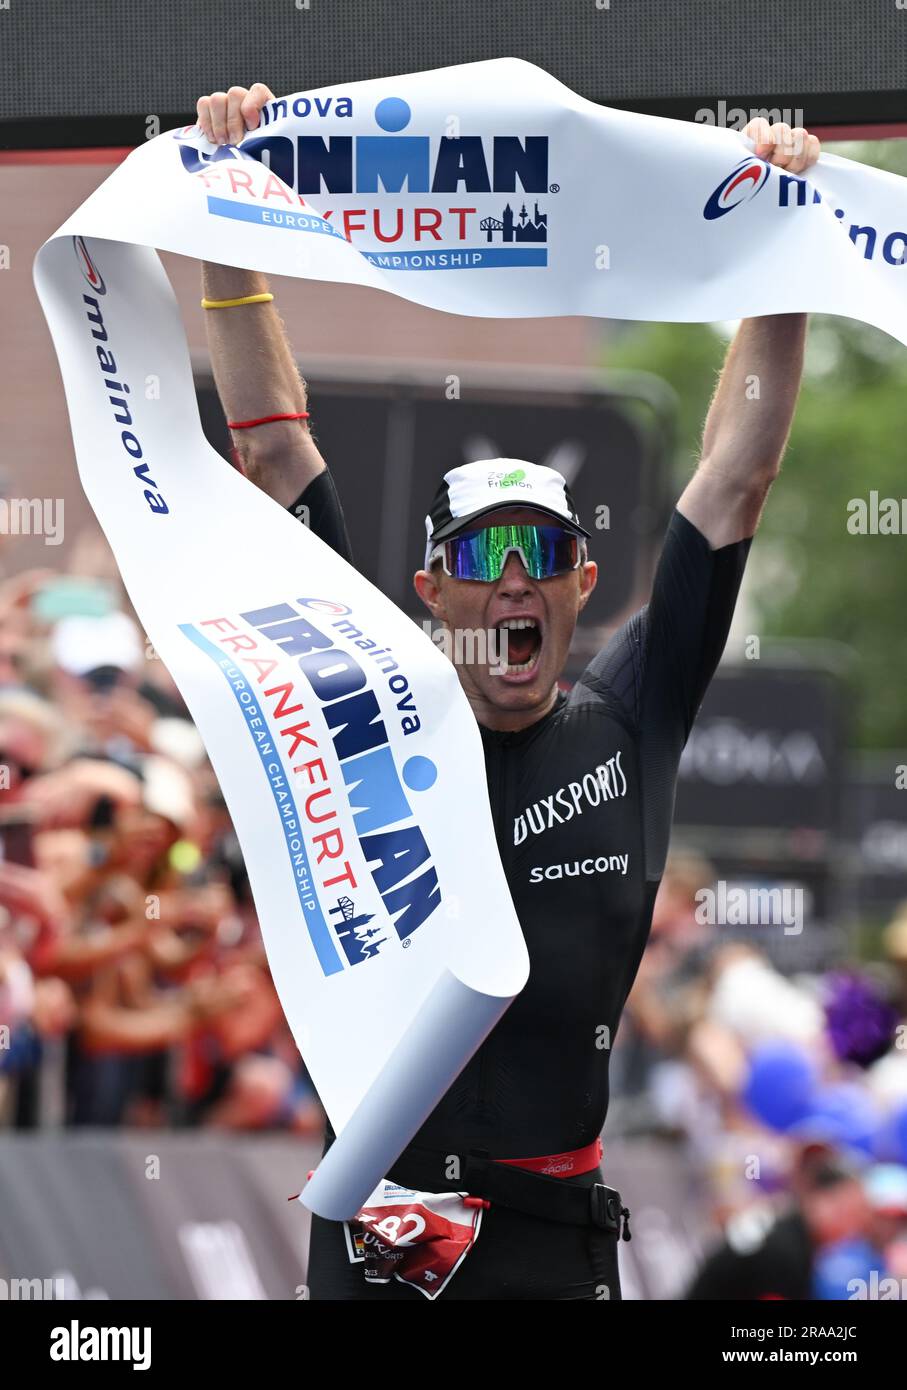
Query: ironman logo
[88,267]
[742,183]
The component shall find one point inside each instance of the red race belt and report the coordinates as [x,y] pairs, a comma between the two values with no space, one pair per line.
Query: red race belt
[566,1165]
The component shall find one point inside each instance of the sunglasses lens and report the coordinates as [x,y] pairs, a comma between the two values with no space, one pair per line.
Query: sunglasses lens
[545,551]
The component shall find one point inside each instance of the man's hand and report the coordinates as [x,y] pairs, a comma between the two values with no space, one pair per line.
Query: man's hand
[226,116]
[793,150]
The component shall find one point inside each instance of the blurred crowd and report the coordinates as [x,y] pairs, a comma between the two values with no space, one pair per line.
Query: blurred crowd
[134,988]
[786,1091]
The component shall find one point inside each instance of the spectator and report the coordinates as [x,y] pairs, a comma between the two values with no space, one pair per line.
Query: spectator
[126,922]
[770,1251]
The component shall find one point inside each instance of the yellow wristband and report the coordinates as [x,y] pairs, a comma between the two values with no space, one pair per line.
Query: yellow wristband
[232,303]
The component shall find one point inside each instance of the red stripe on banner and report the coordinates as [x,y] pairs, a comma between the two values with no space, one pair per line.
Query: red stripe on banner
[753,173]
[105,155]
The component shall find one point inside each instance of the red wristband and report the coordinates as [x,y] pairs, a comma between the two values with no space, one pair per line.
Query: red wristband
[265,420]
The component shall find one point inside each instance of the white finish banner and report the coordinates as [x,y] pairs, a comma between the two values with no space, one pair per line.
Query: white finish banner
[348,755]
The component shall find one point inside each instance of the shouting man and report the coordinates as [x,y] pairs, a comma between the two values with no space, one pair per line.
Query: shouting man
[581,785]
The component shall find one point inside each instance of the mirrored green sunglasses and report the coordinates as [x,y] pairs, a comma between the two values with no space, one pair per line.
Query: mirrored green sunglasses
[544,550]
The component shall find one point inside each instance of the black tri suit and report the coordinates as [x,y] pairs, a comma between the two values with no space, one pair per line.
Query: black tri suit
[582,802]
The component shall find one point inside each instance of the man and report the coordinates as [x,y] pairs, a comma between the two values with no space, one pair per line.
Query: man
[581,787]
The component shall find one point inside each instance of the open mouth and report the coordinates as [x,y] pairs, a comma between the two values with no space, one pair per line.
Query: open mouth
[519,646]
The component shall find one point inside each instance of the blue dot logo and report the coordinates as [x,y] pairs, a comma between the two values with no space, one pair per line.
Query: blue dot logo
[393,114]
[419,773]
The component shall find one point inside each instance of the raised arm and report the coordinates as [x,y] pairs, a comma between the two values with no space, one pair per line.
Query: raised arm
[256,375]
[749,419]
[746,429]
[251,357]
